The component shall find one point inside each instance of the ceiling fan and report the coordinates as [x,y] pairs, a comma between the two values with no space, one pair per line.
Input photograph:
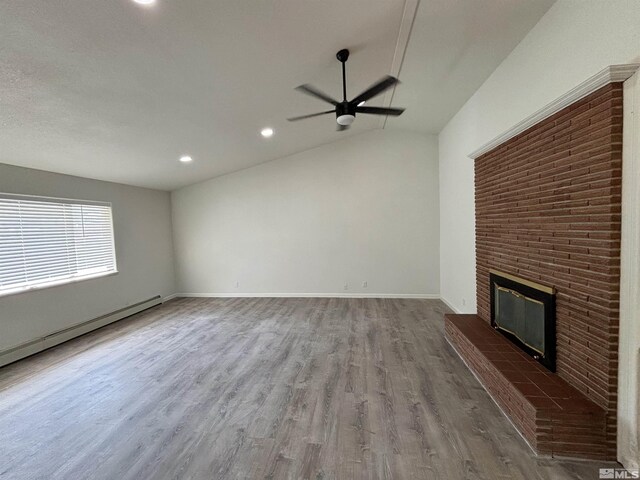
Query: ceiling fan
[346,110]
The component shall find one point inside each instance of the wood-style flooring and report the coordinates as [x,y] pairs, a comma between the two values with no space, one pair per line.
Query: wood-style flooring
[262,388]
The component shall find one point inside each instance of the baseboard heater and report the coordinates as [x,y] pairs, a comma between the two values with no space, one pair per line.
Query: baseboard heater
[55,338]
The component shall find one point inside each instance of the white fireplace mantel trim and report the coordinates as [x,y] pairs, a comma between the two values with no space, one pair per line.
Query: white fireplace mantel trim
[611,74]
[629,333]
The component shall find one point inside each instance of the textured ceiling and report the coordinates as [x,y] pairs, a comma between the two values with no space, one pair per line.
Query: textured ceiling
[454,47]
[113,90]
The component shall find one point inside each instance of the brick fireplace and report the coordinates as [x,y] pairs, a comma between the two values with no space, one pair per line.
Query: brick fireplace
[548,211]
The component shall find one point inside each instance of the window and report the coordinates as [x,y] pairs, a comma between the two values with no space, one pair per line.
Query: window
[46,242]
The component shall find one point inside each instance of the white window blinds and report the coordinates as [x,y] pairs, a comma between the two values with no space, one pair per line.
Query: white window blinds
[46,242]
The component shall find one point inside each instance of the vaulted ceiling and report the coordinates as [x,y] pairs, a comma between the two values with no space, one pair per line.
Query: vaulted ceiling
[113,90]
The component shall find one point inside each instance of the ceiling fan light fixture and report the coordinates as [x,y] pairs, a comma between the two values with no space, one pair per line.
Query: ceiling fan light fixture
[346,110]
[346,119]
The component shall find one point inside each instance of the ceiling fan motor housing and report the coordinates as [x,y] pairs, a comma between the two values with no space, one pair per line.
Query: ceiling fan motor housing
[345,113]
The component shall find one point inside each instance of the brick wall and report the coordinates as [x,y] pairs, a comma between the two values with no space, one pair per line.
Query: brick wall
[548,209]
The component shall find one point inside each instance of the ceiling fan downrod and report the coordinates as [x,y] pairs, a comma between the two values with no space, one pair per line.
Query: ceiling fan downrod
[344,114]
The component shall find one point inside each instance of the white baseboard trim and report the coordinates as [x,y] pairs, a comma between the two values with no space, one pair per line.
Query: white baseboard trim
[55,338]
[429,296]
[170,297]
[455,310]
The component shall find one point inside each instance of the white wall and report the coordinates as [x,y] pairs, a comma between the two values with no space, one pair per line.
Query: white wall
[573,41]
[142,229]
[362,209]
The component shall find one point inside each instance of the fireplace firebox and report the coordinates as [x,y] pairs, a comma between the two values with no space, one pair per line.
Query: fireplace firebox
[524,312]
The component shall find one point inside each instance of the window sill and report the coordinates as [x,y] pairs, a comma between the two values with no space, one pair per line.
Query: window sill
[58,283]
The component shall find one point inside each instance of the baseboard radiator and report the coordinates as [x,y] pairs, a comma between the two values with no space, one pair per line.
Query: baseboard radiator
[55,338]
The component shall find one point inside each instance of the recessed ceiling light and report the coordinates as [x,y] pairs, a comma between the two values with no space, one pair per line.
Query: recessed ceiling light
[362,103]
[266,132]
[145,2]
[186,159]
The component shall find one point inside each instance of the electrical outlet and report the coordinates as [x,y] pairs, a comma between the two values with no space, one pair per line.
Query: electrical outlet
[364,284]
[237,284]
[464,301]
[346,285]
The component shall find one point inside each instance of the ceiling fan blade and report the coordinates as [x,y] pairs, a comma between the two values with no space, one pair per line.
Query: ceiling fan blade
[302,117]
[340,128]
[375,89]
[394,112]
[314,92]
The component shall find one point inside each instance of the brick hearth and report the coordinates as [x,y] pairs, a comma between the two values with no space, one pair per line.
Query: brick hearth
[555,418]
